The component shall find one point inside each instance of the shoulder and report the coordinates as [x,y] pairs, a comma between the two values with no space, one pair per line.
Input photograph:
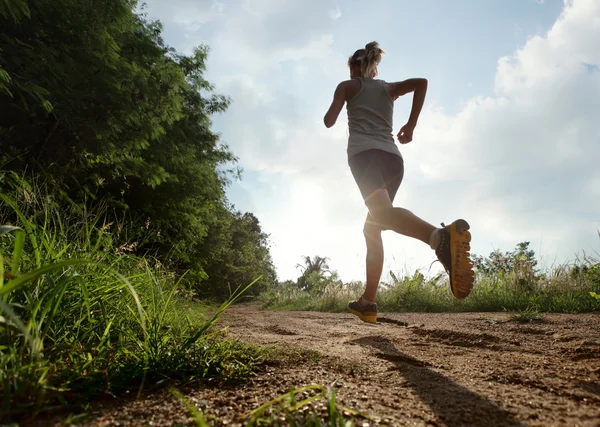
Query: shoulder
[389,88]
[349,84]
[349,88]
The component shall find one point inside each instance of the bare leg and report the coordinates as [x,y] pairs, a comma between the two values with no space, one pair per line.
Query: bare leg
[374,259]
[383,215]
[401,220]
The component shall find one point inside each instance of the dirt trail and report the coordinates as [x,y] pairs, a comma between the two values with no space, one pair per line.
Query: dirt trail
[476,369]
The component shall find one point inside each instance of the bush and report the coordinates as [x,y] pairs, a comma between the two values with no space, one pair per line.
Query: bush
[507,281]
[81,317]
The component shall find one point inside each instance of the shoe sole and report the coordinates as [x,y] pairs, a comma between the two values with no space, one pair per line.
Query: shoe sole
[463,277]
[368,317]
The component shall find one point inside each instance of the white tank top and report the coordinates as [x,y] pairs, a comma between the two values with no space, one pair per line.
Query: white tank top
[370,118]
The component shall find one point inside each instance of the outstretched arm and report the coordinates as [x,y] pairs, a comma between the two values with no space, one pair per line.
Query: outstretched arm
[339,98]
[419,87]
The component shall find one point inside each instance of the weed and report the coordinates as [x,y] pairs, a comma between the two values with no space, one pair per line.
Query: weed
[296,408]
[563,290]
[80,318]
[527,316]
[197,415]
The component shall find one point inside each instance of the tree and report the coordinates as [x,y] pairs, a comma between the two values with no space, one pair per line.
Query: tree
[237,254]
[95,101]
[313,267]
[520,262]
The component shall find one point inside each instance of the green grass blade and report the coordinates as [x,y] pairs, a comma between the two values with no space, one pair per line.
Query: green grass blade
[105,337]
[18,251]
[2,270]
[4,229]
[29,227]
[234,297]
[196,413]
[166,305]
[333,413]
[21,326]
[22,280]
[136,298]
[262,408]
[86,296]
[306,401]
[56,298]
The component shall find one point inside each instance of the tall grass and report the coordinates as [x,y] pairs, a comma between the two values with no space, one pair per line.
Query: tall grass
[81,317]
[565,289]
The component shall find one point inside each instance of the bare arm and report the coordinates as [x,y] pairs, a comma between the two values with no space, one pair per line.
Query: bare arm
[339,99]
[419,87]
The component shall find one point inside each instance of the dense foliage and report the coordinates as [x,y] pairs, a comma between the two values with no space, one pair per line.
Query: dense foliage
[81,317]
[113,213]
[505,281]
[95,103]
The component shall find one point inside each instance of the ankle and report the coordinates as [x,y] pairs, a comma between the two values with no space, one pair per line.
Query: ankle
[363,301]
[435,238]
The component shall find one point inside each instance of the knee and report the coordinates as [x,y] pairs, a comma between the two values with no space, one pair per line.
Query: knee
[382,218]
[372,231]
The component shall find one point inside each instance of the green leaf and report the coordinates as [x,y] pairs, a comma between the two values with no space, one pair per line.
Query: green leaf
[46,105]
[22,280]
[18,251]
[4,229]
[1,270]
[4,76]
[35,347]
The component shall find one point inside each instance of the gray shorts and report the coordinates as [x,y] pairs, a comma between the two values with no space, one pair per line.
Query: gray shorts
[376,169]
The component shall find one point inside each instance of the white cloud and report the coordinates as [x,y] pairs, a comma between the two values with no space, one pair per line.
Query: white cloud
[520,164]
[523,163]
[335,13]
[259,35]
[190,14]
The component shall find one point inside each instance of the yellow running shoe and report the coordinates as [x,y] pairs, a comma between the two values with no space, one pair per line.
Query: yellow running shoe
[366,313]
[453,253]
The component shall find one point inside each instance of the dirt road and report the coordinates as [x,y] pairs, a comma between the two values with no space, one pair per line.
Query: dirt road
[412,369]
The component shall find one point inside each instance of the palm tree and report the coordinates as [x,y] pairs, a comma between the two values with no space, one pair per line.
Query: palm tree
[317,264]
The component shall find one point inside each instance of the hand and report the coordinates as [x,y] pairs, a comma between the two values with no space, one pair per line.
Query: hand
[406,133]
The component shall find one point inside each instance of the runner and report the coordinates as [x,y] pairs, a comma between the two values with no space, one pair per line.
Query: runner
[378,168]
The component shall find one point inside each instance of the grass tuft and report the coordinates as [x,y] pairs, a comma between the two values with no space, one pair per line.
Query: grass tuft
[81,318]
[527,316]
[566,289]
[297,408]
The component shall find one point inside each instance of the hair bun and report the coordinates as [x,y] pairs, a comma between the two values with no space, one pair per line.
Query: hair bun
[368,59]
[373,46]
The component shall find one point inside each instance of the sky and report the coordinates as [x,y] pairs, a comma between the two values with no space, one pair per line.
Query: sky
[508,139]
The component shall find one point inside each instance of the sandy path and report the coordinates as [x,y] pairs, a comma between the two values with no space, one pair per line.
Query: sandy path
[453,369]
[473,369]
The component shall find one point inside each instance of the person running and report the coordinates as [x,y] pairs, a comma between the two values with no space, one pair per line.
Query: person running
[378,168]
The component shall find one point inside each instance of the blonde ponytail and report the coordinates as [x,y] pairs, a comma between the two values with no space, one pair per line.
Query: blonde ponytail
[368,59]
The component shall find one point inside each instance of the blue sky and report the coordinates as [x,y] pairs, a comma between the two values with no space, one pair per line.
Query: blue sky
[508,139]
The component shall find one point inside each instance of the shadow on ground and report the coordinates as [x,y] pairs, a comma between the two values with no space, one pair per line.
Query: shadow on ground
[453,404]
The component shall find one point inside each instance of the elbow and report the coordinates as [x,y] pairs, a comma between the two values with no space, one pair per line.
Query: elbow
[328,122]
